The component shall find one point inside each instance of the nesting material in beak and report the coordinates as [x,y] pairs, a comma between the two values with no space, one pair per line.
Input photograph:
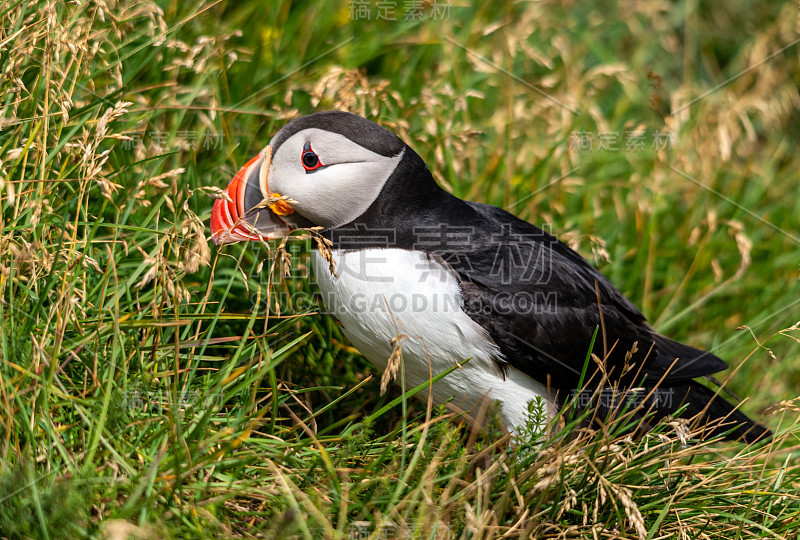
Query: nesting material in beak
[232,222]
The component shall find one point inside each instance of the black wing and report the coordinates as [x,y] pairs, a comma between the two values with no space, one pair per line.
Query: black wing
[541,302]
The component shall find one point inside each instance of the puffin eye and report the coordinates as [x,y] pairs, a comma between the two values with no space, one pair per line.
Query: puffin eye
[310,159]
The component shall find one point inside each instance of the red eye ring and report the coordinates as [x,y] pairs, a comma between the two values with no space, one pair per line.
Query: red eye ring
[310,159]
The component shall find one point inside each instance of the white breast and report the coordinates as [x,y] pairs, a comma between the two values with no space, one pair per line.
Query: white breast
[383,293]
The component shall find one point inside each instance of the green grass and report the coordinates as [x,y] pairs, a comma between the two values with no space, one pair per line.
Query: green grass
[151,386]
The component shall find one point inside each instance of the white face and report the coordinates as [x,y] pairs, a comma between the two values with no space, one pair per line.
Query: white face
[335,194]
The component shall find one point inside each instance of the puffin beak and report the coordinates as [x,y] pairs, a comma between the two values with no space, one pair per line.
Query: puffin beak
[248,216]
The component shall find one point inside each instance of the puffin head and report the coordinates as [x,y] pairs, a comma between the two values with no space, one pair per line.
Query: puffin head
[321,170]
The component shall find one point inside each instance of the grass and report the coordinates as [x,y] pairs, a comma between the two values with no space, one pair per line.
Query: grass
[154,386]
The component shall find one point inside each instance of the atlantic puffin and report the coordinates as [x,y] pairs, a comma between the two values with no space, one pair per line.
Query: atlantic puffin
[456,280]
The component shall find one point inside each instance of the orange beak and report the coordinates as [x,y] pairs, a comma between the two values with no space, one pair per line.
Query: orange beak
[244,217]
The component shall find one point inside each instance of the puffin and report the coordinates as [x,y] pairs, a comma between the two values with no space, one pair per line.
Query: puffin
[416,274]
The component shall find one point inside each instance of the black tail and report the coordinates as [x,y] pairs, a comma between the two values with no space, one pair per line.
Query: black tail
[712,412]
[676,366]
